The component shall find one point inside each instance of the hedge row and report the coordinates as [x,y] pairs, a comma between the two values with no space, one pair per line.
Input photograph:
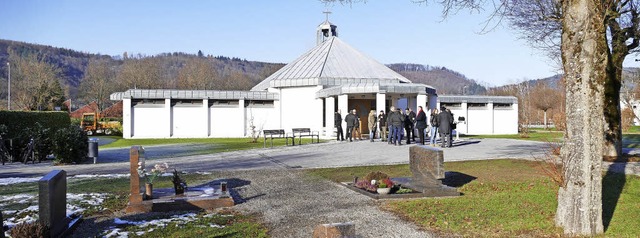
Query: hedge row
[18,121]
[52,133]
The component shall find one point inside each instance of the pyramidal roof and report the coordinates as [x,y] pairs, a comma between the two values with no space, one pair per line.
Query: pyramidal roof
[331,61]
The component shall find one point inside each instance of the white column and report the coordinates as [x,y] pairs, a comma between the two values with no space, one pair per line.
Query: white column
[329,104]
[381,102]
[127,118]
[206,116]
[343,105]
[465,114]
[242,115]
[421,100]
[493,122]
[168,112]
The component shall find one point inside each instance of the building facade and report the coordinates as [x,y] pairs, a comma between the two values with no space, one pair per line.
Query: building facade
[305,93]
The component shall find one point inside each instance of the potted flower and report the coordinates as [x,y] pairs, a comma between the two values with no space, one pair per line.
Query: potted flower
[178,184]
[157,170]
[384,186]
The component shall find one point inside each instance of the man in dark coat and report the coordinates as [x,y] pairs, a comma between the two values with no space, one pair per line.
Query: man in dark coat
[351,120]
[421,124]
[444,126]
[412,117]
[338,124]
[408,124]
[396,121]
[382,123]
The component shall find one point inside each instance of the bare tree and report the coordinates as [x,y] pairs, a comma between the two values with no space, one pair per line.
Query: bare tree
[141,72]
[198,73]
[588,64]
[35,83]
[544,98]
[98,83]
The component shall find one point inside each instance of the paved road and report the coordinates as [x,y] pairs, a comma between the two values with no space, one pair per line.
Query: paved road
[331,154]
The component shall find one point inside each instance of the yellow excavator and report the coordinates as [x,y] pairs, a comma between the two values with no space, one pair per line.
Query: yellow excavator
[93,124]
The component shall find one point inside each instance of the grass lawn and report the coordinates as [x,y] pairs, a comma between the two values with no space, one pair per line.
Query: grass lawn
[114,193]
[534,135]
[508,198]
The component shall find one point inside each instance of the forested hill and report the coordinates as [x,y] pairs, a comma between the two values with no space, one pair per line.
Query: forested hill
[446,81]
[86,77]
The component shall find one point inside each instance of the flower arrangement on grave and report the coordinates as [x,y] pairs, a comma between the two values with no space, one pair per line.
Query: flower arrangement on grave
[157,170]
[384,186]
[366,185]
[385,183]
[178,184]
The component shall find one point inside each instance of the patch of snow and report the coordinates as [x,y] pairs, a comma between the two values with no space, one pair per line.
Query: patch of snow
[100,176]
[202,173]
[9,181]
[18,198]
[117,232]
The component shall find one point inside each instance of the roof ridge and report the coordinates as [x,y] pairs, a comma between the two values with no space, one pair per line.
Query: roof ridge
[326,57]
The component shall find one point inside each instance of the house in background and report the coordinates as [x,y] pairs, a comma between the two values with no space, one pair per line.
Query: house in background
[305,93]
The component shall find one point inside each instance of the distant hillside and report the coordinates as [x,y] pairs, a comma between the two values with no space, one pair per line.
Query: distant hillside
[73,64]
[446,81]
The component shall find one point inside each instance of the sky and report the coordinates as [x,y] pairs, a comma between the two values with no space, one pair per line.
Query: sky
[278,31]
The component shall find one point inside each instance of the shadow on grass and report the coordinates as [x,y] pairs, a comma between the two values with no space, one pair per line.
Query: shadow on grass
[612,185]
[457,179]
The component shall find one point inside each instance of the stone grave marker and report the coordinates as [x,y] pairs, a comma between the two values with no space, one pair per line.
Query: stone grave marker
[427,166]
[52,201]
[335,230]
[136,155]
[1,225]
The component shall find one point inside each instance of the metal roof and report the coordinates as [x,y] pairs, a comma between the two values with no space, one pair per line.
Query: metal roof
[192,94]
[407,88]
[477,99]
[332,61]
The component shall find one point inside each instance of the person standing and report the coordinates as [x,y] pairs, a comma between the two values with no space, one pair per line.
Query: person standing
[412,117]
[372,125]
[453,127]
[444,126]
[351,121]
[382,124]
[434,126]
[421,124]
[397,121]
[390,137]
[337,120]
[408,125]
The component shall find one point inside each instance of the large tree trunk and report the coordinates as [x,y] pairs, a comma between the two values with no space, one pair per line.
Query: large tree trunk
[584,58]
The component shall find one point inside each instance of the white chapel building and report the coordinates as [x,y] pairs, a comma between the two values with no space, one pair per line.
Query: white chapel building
[305,93]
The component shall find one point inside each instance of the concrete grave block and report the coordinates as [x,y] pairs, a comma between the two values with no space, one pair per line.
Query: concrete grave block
[52,201]
[1,225]
[136,155]
[426,164]
[335,230]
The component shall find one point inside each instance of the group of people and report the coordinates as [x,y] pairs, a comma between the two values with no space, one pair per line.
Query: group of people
[394,125]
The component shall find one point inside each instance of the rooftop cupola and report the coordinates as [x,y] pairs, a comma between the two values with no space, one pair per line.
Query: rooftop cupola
[326,29]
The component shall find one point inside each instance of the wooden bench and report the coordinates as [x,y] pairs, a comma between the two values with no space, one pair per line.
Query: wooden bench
[277,134]
[305,132]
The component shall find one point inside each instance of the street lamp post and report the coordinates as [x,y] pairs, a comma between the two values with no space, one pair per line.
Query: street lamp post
[9,88]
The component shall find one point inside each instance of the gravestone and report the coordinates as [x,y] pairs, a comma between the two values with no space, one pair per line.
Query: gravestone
[427,166]
[335,230]
[1,225]
[136,156]
[52,201]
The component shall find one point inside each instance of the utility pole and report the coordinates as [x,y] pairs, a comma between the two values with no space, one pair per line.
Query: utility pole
[9,88]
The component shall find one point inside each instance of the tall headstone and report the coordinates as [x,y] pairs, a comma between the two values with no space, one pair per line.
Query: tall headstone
[52,201]
[427,166]
[1,225]
[136,157]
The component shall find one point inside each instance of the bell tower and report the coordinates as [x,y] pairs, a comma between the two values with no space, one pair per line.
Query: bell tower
[326,29]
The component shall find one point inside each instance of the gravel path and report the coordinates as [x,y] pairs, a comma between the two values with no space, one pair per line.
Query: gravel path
[292,204]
